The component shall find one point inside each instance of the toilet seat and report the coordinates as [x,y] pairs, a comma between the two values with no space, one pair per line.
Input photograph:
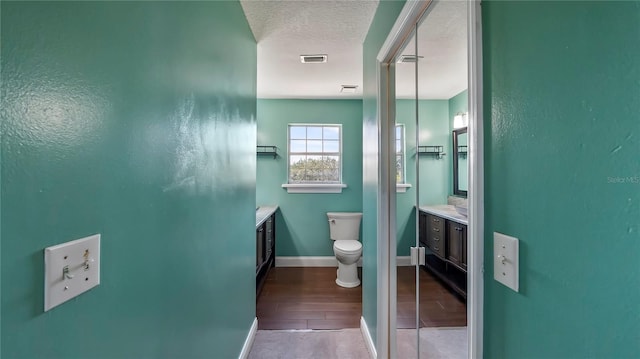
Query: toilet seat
[348,246]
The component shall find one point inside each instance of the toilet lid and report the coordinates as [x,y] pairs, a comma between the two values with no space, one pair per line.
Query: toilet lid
[348,245]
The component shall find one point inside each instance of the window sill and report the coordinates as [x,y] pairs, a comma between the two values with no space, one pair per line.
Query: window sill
[314,188]
[402,187]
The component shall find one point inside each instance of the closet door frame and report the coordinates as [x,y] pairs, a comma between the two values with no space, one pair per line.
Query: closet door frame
[387,282]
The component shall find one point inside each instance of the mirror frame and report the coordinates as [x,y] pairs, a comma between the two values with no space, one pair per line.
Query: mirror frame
[456,184]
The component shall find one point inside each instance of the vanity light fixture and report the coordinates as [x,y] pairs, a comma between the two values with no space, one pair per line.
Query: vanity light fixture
[461,120]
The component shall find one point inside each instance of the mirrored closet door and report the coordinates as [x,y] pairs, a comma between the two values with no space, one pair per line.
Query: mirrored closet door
[431,146]
[406,125]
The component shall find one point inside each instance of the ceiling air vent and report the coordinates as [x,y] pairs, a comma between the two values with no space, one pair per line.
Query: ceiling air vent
[409,58]
[313,59]
[348,88]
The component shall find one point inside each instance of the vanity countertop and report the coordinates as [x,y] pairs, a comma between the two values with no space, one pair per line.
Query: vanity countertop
[264,212]
[446,211]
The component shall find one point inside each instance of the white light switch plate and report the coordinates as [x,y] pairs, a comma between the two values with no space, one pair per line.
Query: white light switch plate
[70,269]
[505,260]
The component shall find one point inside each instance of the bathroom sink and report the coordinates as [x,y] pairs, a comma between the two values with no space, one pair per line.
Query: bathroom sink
[463,211]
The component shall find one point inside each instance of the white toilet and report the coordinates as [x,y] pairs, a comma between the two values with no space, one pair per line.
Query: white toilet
[344,229]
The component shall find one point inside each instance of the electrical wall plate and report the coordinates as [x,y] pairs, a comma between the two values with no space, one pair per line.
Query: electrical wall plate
[70,269]
[506,260]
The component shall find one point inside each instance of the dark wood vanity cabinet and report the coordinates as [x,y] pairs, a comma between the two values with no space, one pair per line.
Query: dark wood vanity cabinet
[422,229]
[445,244]
[436,234]
[457,243]
[259,247]
[265,250]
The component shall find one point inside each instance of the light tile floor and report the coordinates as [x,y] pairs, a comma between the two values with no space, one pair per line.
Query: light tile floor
[444,343]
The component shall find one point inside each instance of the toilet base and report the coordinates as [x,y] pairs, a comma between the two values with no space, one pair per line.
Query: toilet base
[347,276]
[347,285]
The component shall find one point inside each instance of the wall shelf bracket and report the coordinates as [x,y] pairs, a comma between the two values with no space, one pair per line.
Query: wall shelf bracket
[436,151]
[462,151]
[267,151]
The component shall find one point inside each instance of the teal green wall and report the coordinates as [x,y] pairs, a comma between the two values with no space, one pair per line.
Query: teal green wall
[383,20]
[434,173]
[434,130]
[562,142]
[458,103]
[405,202]
[135,120]
[302,220]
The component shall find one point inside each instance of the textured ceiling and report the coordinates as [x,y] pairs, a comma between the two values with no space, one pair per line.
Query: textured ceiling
[442,40]
[285,30]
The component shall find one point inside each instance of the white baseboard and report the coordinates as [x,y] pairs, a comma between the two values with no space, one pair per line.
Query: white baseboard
[248,343]
[326,261]
[403,261]
[309,261]
[368,342]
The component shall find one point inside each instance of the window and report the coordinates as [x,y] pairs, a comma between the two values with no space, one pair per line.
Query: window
[315,154]
[400,178]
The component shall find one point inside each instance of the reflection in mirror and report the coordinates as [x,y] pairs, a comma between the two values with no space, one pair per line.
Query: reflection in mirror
[406,119]
[431,89]
[460,164]
[407,110]
[400,154]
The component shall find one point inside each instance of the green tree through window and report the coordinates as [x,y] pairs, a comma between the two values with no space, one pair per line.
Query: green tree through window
[315,153]
[400,154]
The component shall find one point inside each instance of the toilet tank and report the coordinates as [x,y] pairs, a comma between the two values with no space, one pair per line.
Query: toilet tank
[344,225]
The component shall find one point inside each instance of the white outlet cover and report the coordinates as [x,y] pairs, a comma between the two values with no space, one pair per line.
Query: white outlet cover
[82,258]
[506,260]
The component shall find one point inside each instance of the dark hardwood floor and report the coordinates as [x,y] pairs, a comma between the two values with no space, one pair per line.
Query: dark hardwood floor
[309,298]
[439,306]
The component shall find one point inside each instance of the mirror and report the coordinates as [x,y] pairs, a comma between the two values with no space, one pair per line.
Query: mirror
[431,97]
[431,93]
[460,164]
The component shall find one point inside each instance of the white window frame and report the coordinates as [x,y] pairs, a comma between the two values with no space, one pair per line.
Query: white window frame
[314,187]
[401,187]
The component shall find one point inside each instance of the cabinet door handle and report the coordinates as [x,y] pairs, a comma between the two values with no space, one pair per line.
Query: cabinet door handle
[436,229]
[436,239]
[458,228]
[436,220]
